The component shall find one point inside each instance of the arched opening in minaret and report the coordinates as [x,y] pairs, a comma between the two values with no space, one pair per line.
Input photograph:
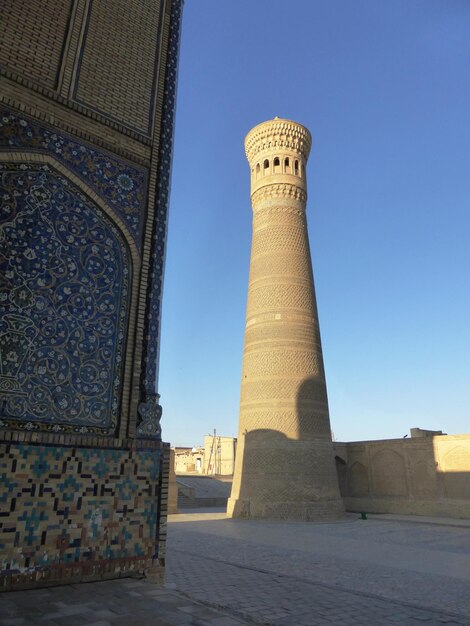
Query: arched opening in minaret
[277,165]
[296,168]
[287,165]
[258,170]
[266,165]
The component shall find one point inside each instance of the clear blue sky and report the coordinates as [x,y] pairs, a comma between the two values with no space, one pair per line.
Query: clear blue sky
[384,87]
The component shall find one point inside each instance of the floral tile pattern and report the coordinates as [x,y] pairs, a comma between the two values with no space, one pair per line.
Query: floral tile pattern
[122,186]
[64,299]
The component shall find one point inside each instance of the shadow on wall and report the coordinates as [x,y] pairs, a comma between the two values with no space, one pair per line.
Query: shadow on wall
[294,465]
[418,476]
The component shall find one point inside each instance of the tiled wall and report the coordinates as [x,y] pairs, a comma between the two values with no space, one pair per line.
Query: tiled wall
[69,512]
[87,102]
[122,185]
[64,305]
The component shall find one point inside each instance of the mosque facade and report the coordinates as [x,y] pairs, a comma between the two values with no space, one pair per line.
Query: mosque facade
[86,130]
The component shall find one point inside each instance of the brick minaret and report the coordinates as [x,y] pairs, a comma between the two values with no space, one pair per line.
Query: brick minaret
[285,466]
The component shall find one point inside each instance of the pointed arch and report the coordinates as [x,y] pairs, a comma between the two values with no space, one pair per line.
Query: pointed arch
[106,213]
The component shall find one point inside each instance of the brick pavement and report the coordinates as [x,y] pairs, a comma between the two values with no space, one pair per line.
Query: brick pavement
[223,572]
[124,602]
[280,600]
[374,572]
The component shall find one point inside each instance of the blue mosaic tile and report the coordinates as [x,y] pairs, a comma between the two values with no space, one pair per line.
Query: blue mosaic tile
[121,185]
[64,299]
[149,425]
[78,516]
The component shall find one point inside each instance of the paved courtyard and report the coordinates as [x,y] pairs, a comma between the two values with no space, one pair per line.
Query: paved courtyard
[386,570]
[221,572]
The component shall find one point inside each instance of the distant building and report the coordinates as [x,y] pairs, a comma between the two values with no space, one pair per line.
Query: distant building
[426,473]
[189,460]
[219,455]
[215,458]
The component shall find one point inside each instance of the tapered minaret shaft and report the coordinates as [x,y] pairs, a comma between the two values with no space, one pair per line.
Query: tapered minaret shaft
[285,467]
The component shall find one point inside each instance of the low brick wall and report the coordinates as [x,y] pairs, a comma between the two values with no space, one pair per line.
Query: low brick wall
[416,476]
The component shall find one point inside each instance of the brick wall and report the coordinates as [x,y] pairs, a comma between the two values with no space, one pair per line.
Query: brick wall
[414,476]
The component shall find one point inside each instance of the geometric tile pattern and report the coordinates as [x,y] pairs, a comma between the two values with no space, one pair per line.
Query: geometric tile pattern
[121,185]
[61,506]
[64,299]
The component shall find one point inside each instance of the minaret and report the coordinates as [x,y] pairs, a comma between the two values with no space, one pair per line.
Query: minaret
[285,466]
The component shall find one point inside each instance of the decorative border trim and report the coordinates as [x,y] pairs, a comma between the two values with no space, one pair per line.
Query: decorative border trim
[78,440]
[148,381]
[90,176]
[279,190]
[75,106]
[277,134]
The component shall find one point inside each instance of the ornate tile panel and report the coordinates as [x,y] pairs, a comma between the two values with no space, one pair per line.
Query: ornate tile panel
[61,506]
[122,186]
[64,299]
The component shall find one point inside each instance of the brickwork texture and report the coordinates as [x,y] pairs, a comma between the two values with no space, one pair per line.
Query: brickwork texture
[415,476]
[284,467]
